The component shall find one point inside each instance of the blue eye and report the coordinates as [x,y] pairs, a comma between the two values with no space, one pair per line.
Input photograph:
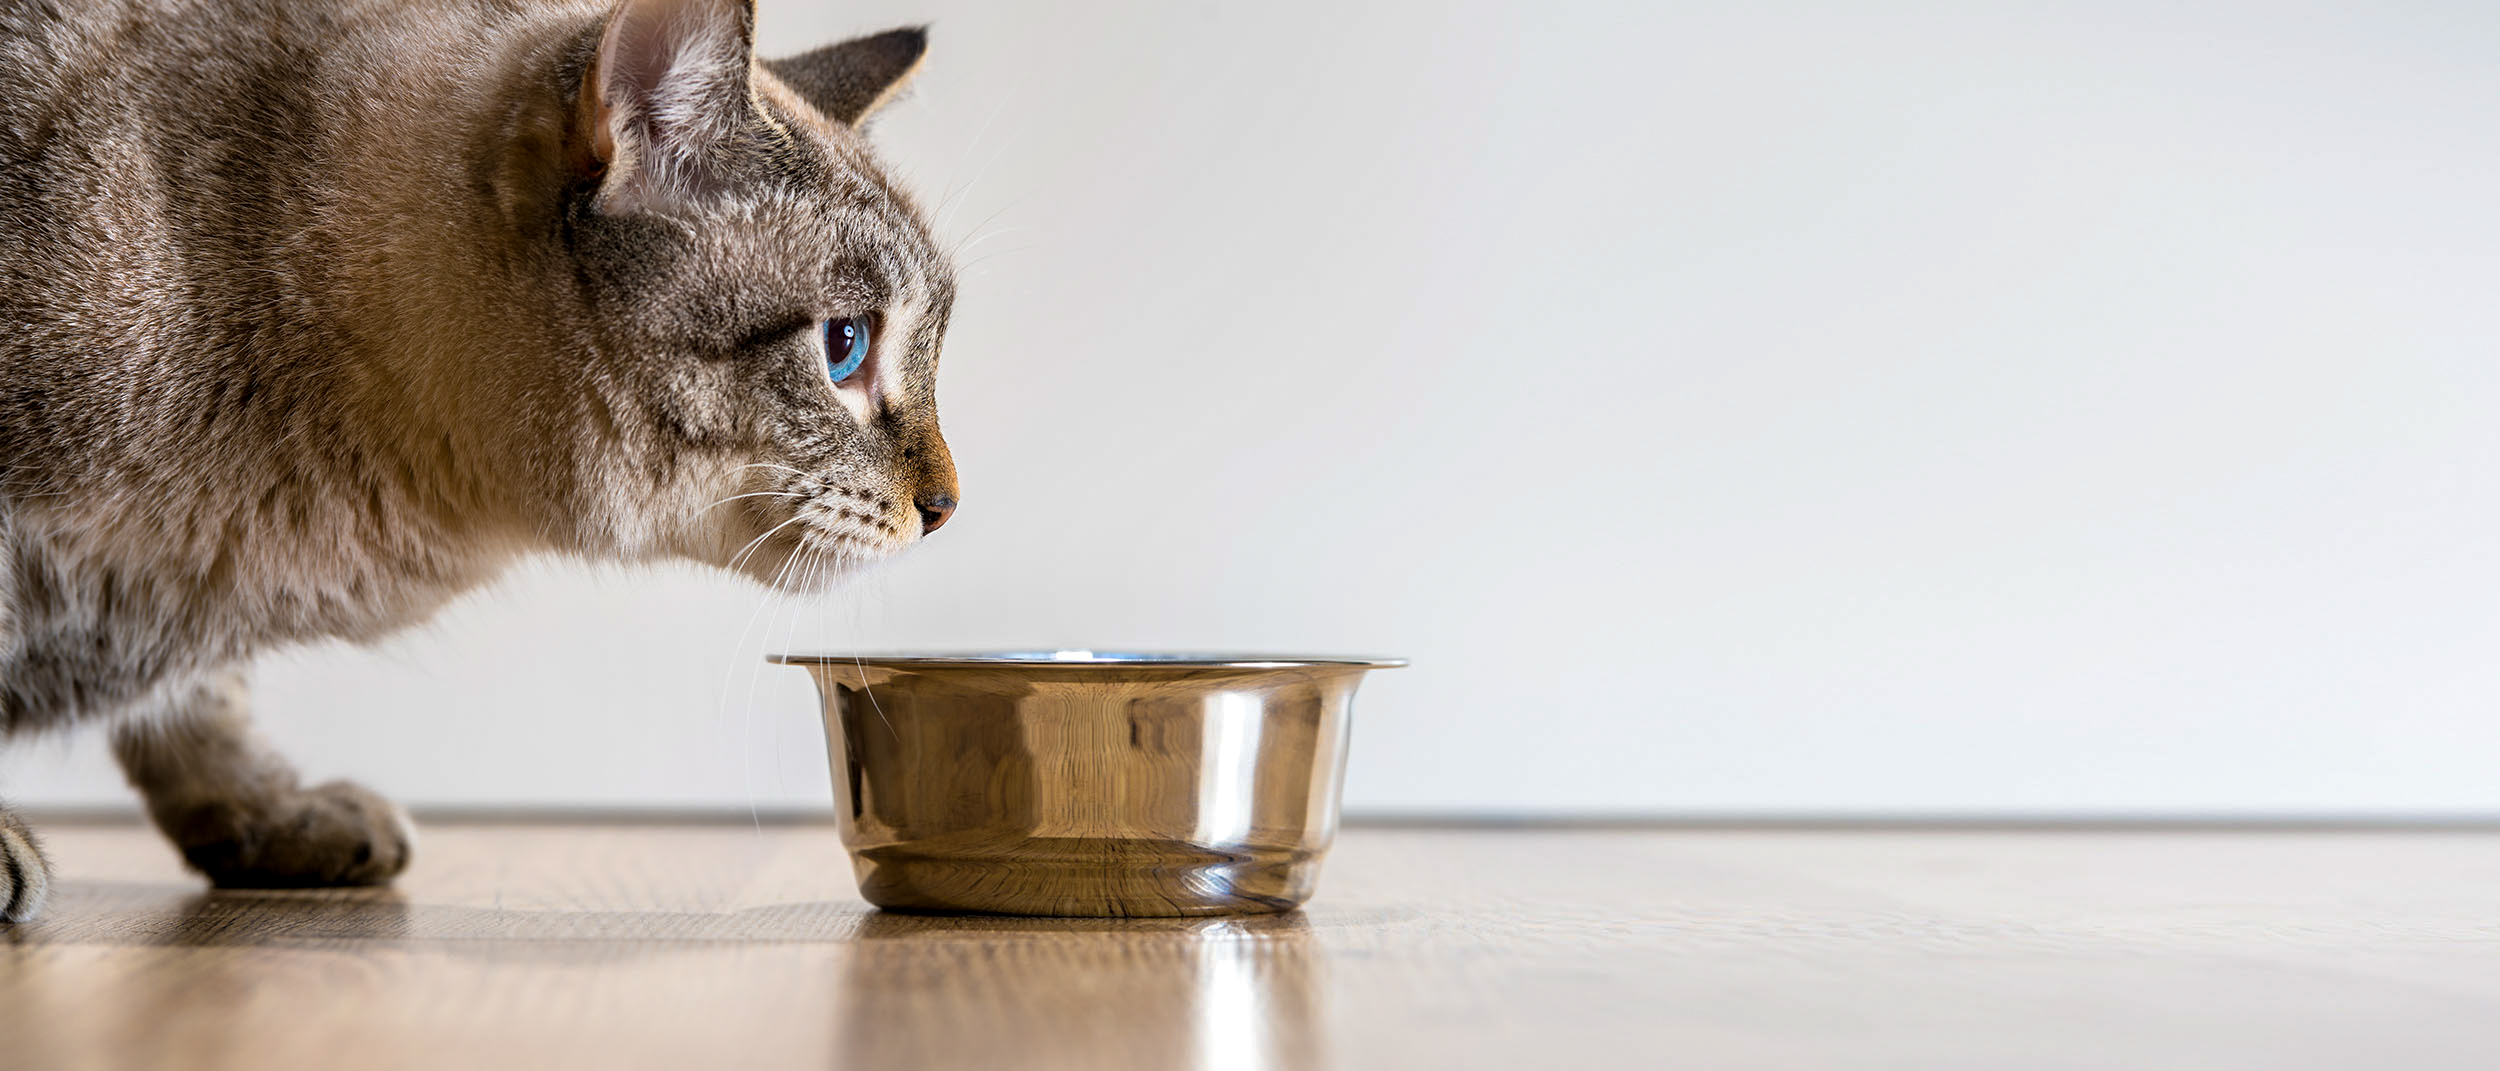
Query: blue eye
[846,346]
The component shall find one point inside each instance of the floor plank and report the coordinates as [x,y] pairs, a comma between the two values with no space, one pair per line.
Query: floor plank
[651,945]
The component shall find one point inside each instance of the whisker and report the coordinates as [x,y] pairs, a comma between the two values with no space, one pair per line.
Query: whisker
[975,241]
[969,266]
[947,202]
[750,494]
[975,232]
[735,560]
[738,656]
[862,667]
[776,465]
[812,572]
[755,675]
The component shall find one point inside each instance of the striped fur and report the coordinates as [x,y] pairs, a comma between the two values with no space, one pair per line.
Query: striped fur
[318,313]
[24,875]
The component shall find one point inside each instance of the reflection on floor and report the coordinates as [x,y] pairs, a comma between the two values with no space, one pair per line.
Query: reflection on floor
[685,945]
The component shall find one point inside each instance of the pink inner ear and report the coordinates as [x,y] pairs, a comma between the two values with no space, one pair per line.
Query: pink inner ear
[671,81]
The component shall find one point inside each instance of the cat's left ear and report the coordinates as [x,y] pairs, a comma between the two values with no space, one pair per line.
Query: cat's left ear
[669,88]
[847,81]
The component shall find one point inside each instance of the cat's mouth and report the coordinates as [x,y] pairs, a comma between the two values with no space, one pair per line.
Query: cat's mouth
[833,534]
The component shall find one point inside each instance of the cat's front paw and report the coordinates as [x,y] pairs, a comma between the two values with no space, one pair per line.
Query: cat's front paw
[24,875]
[338,833]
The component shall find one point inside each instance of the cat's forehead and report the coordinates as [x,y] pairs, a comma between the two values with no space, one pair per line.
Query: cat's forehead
[805,237]
[833,157]
[823,192]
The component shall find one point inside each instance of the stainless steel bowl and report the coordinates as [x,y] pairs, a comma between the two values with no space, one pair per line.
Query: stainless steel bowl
[1077,783]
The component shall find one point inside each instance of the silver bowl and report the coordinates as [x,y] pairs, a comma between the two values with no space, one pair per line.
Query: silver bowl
[1084,784]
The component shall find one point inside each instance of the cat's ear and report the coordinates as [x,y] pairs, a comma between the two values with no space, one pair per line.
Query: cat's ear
[847,81]
[669,86]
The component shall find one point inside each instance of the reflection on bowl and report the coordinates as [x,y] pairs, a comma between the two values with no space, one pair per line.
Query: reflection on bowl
[1081,783]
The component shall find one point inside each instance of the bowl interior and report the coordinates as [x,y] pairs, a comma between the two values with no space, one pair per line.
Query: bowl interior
[1084,657]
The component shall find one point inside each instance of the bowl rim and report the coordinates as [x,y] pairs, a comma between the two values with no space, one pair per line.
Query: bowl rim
[1081,658]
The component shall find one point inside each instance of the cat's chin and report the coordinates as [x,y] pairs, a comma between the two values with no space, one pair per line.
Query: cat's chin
[818,582]
[811,567]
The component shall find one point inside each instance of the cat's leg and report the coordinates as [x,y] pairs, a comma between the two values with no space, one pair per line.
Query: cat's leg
[24,875]
[238,810]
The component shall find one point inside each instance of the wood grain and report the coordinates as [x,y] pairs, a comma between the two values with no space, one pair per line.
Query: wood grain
[572,945]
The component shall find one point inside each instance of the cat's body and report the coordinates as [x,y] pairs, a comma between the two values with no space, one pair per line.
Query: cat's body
[316,313]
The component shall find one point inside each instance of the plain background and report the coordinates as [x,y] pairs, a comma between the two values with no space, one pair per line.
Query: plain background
[1949,409]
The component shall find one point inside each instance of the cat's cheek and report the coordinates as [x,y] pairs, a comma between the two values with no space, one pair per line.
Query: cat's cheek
[854,400]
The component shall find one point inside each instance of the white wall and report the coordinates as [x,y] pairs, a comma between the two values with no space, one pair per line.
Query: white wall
[1731,408]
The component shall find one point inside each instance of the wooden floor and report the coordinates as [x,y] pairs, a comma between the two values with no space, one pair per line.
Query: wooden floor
[535,946]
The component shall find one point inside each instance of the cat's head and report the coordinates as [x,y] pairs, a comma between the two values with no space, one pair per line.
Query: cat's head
[762,304]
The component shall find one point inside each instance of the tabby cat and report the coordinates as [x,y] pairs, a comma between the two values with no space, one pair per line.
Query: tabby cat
[317,313]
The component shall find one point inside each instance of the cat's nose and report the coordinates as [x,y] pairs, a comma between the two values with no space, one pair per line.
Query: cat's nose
[934,510]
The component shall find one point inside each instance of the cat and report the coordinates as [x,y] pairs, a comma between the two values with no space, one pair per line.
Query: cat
[317,313]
